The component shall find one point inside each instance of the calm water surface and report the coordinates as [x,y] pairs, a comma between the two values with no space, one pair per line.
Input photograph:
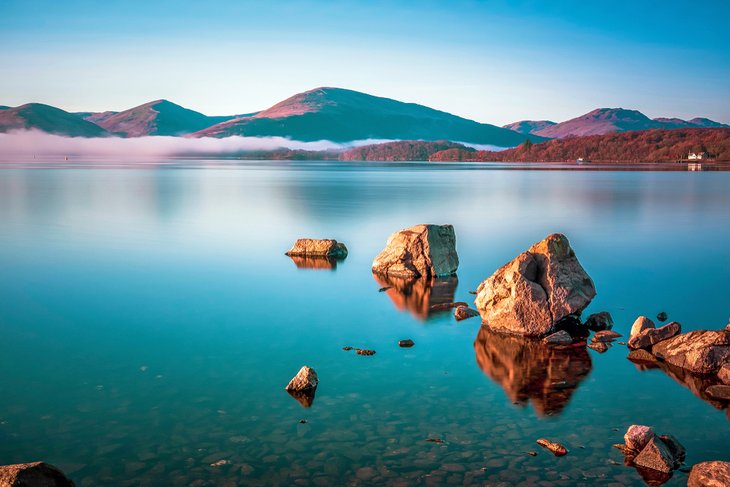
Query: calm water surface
[150,322]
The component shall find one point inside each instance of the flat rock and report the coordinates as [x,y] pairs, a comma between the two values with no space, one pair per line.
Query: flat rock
[311,247]
[447,306]
[561,337]
[640,324]
[600,347]
[641,355]
[710,474]
[599,321]
[651,336]
[540,287]
[36,474]
[605,336]
[464,313]
[638,436]
[719,392]
[419,251]
[306,379]
[556,448]
[656,456]
[700,351]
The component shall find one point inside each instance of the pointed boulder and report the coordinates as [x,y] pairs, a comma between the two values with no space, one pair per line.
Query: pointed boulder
[420,251]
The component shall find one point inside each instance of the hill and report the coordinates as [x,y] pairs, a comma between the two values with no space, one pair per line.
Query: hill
[529,126]
[342,115]
[407,150]
[47,119]
[638,146]
[159,117]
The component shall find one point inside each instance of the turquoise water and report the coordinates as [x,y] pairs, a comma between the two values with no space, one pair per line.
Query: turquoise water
[150,322]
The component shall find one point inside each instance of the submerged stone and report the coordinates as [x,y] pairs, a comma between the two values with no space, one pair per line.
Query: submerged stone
[464,312]
[556,448]
[536,290]
[419,251]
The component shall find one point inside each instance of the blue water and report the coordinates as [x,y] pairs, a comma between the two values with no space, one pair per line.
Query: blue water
[150,322]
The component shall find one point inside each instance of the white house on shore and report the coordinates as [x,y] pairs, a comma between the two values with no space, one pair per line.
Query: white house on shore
[697,156]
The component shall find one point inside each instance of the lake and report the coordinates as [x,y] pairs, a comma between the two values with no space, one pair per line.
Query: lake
[151,320]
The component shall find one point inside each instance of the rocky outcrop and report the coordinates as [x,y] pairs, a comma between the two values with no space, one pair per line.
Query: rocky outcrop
[420,251]
[464,313]
[303,386]
[599,321]
[531,294]
[710,474]
[310,247]
[36,474]
[700,352]
[648,337]
[532,371]
[418,296]
[655,457]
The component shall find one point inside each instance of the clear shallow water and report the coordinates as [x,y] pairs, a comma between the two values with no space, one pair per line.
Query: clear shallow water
[150,322]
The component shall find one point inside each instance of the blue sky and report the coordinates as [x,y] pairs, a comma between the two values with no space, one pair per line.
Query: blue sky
[492,61]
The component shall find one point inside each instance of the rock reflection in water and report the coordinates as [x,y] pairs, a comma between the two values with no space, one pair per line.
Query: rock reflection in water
[305,398]
[530,370]
[322,263]
[418,295]
[697,384]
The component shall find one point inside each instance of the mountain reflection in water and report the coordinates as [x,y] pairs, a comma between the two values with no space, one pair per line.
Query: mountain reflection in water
[530,370]
[418,295]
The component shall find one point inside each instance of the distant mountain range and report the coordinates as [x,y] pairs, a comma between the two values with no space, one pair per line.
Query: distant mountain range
[606,120]
[333,114]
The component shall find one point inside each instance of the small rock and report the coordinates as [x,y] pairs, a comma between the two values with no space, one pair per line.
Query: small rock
[447,306]
[625,449]
[220,463]
[532,453]
[600,347]
[472,292]
[642,323]
[662,316]
[605,336]
[364,351]
[406,343]
[347,349]
[561,337]
[556,448]
[641,355]
[434,440]
[464,312]
[599,321]
[656,456]
[710,474]
[38,474]
[638,436]
[306,379]
[310,247]
[720,392]
[302,421]
[651,336]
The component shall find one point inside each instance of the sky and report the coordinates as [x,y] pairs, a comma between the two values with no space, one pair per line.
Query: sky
[491,61]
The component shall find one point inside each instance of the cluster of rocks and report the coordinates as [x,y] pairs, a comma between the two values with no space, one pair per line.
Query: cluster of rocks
[655,457]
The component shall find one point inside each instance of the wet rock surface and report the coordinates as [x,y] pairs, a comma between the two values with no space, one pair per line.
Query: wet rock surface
[641,356]
[540,287]
[464,313]
[651,336]
[418,296]
[605,336]
[655,457]
[555,448]
[719,392]
[311,247]
[532,371]
[638,436]
[710,474]
[640,324]
[701,351]
[35,474]
[599,321]
[561,337]
[419,251]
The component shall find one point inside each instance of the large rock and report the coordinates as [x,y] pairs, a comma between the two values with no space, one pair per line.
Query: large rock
[420,251]
[656,456]
[303,386]
[701,351]
[36,474]
[310,247]
[710,474]
[651,336]
[533,292]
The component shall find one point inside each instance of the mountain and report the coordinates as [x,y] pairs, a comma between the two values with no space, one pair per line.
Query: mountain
[4,107]
[48,119]
[529,126]
[657,145]
[95,117]
[601,121]
[707,123]
[159,117]
[342,115]
[402,150]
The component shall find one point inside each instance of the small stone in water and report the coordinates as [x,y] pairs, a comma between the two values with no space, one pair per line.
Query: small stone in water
[532,453]
[364,351]
[302,421]
[346,349]
[383,289]
[472,292]
[220,463]
[662,316]
[556,448]
[434,440]
[408,343]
